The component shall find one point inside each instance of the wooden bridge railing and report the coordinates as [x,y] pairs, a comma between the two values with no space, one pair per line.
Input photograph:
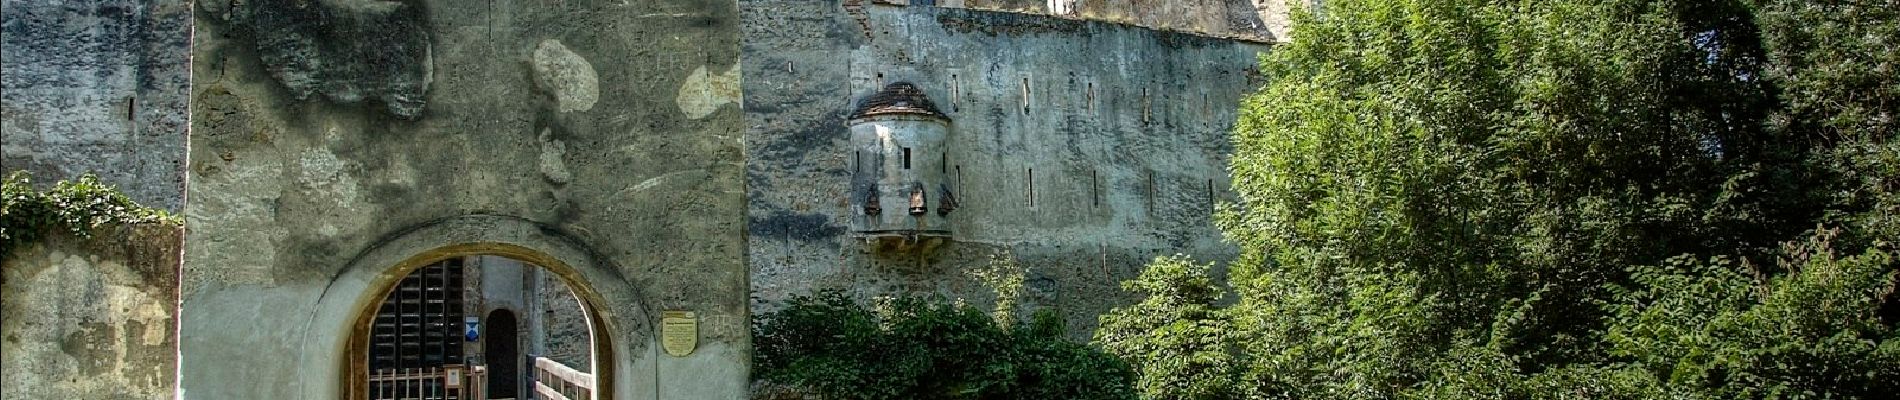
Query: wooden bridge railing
[452,382]
[555,381]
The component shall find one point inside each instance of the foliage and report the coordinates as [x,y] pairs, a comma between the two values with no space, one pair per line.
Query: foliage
[1176,336]
[909,348]
[1004,277]
[78,207]
[1711,328]
[1551,199]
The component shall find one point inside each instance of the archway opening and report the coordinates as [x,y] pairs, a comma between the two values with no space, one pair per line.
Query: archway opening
[480,327]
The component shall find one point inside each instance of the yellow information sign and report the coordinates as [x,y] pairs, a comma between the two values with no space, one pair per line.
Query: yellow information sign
[679,332]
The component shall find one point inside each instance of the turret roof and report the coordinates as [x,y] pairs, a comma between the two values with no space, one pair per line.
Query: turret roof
[897,98]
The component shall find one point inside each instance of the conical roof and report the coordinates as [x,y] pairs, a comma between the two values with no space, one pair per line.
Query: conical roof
[897,98]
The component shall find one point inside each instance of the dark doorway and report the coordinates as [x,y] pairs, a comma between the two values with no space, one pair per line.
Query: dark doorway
[503,355]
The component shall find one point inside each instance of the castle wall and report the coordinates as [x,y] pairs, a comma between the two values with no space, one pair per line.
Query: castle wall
[1082,149]
[91,318]
[334,141]
[1264,20]
[97,86]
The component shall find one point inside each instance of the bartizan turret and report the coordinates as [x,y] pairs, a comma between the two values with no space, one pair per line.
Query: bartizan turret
[900,195]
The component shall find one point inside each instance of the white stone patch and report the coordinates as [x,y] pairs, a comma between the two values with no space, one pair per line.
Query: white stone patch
[553,154]
[567,75]
[318,169]
[704,93]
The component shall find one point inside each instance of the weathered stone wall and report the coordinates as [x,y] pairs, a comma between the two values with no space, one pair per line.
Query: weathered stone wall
[91,318]
[333,140]
[1081,149]
[1259,20]
[560,331]
[97,86]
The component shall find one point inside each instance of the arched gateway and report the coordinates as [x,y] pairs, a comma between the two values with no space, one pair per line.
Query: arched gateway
[336,351]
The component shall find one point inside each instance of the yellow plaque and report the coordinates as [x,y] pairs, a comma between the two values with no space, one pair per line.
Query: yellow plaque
[679,332]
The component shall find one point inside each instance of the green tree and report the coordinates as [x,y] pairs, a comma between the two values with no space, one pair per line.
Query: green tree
[1177,336]
[1463,199]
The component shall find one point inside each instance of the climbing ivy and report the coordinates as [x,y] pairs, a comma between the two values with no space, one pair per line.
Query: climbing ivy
[76,206]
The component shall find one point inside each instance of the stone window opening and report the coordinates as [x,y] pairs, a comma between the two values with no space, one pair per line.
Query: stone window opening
[917,206]
[1095,187]
[1090,104]
[956,92]
[1025,96]
[948,202]
[1032,187]
[906,158]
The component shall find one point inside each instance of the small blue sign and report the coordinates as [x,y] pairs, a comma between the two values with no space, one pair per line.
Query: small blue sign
[474,329]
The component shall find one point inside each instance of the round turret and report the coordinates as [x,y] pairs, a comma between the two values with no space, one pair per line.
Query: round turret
[900,196]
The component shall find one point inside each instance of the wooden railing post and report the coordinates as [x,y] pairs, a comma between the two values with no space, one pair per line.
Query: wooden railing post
[567,382]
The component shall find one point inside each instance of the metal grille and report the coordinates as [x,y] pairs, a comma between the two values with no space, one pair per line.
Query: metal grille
[419,327]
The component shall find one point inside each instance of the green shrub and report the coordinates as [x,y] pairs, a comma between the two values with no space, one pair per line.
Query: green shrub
[77,206]
[909,348]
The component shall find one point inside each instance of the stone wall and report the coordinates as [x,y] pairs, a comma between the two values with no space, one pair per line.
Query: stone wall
[97,86]
[334,142]
[560,331]
[91,318]
[1082,149]
[1257,20]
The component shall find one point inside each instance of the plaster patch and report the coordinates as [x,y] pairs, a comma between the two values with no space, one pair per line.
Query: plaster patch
[553,153]
[565,74]
[322,172]
[704,93]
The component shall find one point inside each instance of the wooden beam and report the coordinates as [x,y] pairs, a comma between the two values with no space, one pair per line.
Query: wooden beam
[548,392]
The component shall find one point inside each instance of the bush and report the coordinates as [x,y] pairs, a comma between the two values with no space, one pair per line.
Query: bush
[77,207]
[909,348]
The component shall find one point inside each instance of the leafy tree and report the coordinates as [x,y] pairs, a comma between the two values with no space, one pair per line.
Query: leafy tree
[1507,199]
[1716,329]
[1177,335]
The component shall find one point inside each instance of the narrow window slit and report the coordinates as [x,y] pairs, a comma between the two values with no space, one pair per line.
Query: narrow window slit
[960,177]
[1210,192]
[1151,191]
[1095,189]
[1091,97]
[906,158]
[1032,187]
[1147,107]
[1025,96]
[956,92]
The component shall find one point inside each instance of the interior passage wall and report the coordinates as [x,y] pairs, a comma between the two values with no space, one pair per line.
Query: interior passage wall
[1081,150]
[97,86]
[560,324]
[91,318]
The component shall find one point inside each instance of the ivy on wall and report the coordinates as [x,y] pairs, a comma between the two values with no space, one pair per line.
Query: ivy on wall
[76,206]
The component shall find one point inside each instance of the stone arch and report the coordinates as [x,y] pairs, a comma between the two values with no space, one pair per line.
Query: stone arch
[334,352]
